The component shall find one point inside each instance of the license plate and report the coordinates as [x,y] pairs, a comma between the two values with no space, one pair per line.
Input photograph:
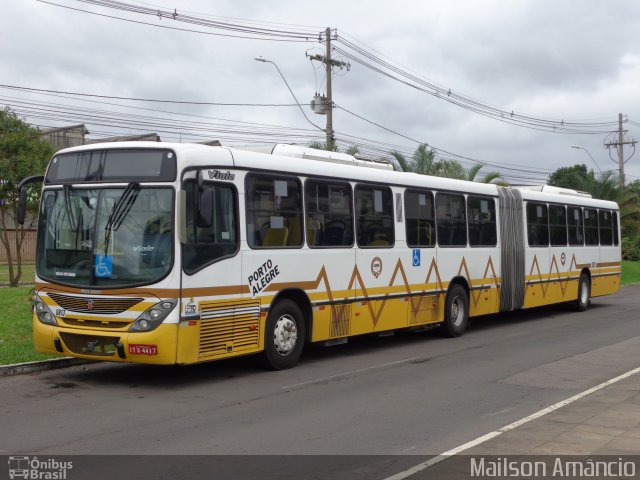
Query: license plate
[139,349]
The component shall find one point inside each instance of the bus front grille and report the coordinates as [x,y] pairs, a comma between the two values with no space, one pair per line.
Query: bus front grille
[229,327]
[102,324]
[103,306]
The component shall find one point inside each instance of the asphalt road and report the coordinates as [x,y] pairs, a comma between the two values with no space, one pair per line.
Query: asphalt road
[410,394]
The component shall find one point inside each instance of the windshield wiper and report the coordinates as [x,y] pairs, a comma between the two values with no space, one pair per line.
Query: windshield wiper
[67,205]
[120,211]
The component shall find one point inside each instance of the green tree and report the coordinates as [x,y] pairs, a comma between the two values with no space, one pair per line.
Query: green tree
[333,147]
[489,177]
[576,177]
[452,169]
[352,150]
[329,146]
[604,186]
[422,161]
[22,154]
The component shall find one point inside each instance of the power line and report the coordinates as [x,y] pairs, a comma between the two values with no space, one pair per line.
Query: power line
[64,113]
[352,50]
[254,132]
[390,69]
[240,30]
[440,150]
[151,100]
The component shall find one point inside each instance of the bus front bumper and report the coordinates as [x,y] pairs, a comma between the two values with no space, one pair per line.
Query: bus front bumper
[155,347]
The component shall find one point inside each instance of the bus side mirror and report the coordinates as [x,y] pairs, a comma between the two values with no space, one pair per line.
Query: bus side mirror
[22,205]
[22,196]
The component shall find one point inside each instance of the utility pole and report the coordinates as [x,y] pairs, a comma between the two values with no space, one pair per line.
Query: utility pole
[329,63]
[619,145]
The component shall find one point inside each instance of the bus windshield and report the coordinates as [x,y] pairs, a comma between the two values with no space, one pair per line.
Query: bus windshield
[105,237]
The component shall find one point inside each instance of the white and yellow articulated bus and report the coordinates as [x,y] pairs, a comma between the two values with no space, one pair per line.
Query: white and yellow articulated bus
[175,253]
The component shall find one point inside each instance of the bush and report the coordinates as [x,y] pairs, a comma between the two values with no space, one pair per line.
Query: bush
[631,248]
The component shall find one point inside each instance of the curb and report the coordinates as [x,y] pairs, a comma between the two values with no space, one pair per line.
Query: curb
[39,366]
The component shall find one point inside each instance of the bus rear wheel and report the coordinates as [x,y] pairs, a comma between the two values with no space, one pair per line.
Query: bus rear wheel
[584,292]
[456,312]
[284,336]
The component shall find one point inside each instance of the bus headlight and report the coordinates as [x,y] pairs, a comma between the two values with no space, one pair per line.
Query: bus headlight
[153,316]
[43,312]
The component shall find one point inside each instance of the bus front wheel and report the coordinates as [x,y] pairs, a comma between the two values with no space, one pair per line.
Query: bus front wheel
[284,336]
[456,311]
[584,292]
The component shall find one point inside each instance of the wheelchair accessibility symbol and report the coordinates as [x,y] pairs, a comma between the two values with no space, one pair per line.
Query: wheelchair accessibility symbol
[416,257]
[103,266]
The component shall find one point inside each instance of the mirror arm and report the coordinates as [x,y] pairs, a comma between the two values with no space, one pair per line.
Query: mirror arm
[22,195]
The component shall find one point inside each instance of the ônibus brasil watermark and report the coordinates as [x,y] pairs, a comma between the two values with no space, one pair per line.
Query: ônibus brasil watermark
[33,468]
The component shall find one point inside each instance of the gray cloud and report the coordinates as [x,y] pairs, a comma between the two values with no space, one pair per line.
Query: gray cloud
[573,60]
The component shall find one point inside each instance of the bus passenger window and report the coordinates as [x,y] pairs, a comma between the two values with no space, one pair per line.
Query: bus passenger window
[451,220]
[615,228]
[537,225]
[419,218]
[274,211]
[558,225]
[374,216]
[574,219]
[606,232]
[481,212]
[329,214]
[591,226]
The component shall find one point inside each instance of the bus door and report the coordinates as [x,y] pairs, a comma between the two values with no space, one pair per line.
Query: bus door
[215,320]
[538,274]
[482,263]
[560,262]
[609,254]
[327,261]
[453,258]
[419,260]
[379,286]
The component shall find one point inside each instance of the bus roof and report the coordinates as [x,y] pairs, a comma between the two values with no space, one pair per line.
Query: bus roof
[193,155]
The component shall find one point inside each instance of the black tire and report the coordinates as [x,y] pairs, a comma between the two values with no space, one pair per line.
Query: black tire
[456,311]
[584,293]
[284,336]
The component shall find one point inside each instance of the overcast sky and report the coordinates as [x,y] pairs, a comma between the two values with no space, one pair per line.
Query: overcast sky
[563,60]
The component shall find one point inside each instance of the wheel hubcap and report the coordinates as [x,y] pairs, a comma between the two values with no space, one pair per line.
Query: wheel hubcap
[457,311]
[584,293]
[285,335]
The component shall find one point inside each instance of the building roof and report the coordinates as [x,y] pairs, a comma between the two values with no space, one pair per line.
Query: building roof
[153,137]
[82,126]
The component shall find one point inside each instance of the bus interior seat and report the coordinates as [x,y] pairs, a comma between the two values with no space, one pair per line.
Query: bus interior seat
[275,237]
[294,239]
[334,233]
[311,236]
[379,240]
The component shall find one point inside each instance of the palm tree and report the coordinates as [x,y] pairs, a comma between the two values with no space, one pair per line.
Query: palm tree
[423,161]
[329,146]
[452,169]
[352,150]
[490,177]
[333,147]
